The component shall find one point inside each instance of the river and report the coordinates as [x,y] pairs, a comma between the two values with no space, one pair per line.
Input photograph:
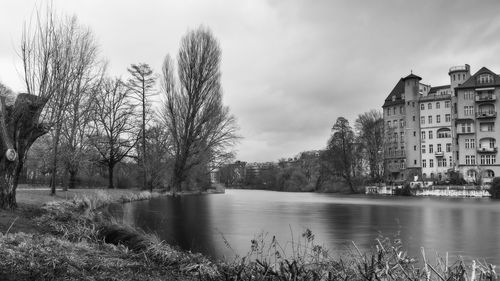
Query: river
[204,223]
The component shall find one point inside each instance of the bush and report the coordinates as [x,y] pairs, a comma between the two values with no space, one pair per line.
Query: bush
[495,188]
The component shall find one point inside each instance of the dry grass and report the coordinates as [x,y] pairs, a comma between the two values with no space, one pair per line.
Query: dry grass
[78,243]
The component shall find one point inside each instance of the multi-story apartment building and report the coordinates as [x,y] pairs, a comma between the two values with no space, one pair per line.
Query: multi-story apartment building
[477,128]
[435,132]
[431,131]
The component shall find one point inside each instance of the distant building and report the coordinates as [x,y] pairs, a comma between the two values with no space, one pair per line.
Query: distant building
[431,131]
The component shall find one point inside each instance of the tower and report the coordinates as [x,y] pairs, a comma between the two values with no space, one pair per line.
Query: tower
[412,126]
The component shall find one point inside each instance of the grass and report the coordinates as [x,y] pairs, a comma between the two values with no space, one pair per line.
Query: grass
[76,242]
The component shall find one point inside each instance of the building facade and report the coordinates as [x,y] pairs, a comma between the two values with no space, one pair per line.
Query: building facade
[432,131]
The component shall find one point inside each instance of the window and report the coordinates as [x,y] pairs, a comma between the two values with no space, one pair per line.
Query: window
[447,104]
[444,133]
[486,127]
[469,95]
[431,163]
[402,136]
[401,109]
[438,105]
[423,148]
[431,148]
[473,159]
[447,118]
[422,106]
[415,162]
[429,106]
[394,111]
[413,118]
[415,148]
[472,143]
[492,143]
[422,134]
[467,143]
[471,174]
[469,110]
[430,119]
[489,174]
[438,118]
[448,147]
[485,79]
[388,124]
[467,159]
[439,148]
[422,120]
[424,163]
[414,133]
[430,135]
[489,159]
[401,123]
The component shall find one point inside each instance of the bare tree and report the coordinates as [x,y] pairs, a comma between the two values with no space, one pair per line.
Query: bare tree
[59,58]
[76,128]
[141,84]
[114,135]
[200,126]
[370,128]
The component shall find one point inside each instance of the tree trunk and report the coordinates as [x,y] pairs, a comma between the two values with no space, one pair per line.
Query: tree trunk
[110,176]
[19,128]
[8,192]
[72,179]
[53,169]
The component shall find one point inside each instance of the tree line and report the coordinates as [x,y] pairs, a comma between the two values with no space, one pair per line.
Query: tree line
[81,120]
[351,158]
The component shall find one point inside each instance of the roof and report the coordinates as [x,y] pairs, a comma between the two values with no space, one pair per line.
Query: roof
[472,81]
[412,76]
[438,88]
[397,91]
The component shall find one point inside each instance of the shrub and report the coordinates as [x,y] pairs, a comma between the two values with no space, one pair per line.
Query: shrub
[495,188]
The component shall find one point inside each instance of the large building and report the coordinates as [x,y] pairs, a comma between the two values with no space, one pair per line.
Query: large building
[431,131]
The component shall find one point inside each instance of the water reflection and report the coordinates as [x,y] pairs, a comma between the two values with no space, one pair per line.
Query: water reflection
[467,227]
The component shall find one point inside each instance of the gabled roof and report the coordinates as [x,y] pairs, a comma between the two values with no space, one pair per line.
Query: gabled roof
[472,81]
[412,76]
[396,92]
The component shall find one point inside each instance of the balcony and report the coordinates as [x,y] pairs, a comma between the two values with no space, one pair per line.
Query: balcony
[481,98]
[463,132]
[487,149]
[439,154]
[395,154]
[486,114]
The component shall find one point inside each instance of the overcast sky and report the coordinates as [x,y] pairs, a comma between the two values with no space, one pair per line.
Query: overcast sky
[289,68]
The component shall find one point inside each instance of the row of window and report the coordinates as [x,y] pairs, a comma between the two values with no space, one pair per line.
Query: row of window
[438,148]
[441,134]
[447,118]
[441,162]
[447,104]
[488,173]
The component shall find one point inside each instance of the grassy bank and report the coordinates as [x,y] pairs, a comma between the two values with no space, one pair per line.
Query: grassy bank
[74,241]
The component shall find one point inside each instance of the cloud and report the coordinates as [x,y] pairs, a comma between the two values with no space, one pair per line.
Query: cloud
[290,68]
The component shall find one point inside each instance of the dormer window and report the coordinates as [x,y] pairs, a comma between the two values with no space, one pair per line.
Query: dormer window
[485,79]
[393,98]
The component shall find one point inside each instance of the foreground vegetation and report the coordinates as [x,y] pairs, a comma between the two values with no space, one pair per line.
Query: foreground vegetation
[76,241]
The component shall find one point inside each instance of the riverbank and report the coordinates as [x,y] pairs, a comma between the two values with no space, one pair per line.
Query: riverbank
[75,242]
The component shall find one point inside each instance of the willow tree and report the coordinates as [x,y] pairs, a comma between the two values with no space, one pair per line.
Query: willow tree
[200,126]
[20,116]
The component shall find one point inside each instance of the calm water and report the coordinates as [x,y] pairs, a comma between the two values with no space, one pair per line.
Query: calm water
[467,227]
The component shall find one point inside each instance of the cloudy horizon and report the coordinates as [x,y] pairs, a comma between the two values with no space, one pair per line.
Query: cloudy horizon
[289,68]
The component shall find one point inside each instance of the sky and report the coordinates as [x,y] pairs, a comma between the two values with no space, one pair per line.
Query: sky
[289,68]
